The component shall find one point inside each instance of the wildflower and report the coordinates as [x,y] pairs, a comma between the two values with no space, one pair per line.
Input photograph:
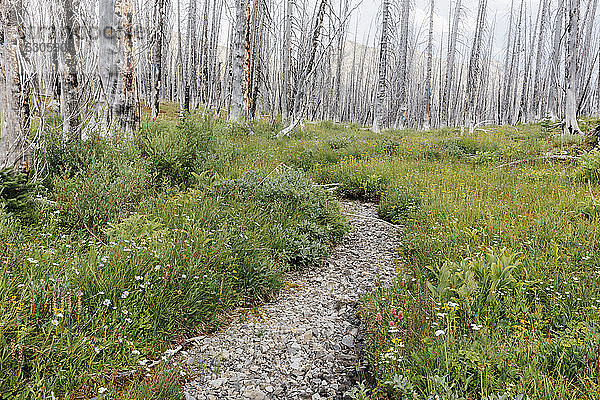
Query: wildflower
[440,332]
[125,312]
[393,311]
[107,302]
[54,322]
[135,352]
[139,278]
[60,315]
[391,323]
[125,294]
[476,327]
[400,315]
[157,267]
[102,390]
[378,317]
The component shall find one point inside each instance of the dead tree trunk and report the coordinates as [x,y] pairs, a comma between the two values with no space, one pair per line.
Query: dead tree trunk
[381,83]
[237,110]
[450,64]
[159,16]
[554,84]
[14,92]
[72,117]
[474,72]
[571,126]
[538,63]
[428,94]
[126,109]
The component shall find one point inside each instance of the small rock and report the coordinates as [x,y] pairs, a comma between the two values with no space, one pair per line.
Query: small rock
[217,383]
[348,341]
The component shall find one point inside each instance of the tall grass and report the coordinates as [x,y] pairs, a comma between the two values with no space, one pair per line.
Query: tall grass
[499,293]
[152,239]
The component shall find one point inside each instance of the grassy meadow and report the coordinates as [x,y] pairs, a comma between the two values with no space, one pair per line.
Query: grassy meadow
[128,245]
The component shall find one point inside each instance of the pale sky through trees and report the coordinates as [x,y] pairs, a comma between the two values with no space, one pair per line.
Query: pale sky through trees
[366,19]
[367,14]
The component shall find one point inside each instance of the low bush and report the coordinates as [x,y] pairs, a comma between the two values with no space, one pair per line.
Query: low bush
[399,206]
[17,194]
[589,166]
[175,153]
[100,194]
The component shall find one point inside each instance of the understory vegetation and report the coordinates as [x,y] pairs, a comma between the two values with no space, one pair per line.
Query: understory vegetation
[131,244]
[497,291]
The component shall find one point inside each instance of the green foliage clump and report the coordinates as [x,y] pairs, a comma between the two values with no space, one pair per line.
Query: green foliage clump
[589,166]
[306,242]
[399,206]
[175,153]
[16,194]
[102,193]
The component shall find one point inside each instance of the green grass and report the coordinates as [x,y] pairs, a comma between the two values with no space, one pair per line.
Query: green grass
[499,286]
[146,240]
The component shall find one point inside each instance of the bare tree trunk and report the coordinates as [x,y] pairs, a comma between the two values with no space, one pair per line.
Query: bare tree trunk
[72,117]
[190,56]
[538,62]
[14,92]
[287,43]
[450,64]
[237,110]
[428,93]
[381,83]
[474,72]
[401,118]
[554,84]
[571,126]
[159,15]
[126,109]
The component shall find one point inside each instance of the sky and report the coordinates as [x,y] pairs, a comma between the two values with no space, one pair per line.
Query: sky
[368,11]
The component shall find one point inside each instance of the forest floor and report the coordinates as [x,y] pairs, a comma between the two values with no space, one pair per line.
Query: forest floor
[307,343]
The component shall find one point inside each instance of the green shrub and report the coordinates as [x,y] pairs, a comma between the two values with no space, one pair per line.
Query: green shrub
[399,206]
[16,194]
[589,166]
[100,194]
[175,154]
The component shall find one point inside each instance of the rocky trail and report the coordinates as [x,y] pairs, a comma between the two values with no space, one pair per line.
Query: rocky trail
[307,343]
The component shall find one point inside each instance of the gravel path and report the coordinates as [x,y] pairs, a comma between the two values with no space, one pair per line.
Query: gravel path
[306,344]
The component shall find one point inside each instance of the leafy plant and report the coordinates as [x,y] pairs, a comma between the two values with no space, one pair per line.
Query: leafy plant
[16,193]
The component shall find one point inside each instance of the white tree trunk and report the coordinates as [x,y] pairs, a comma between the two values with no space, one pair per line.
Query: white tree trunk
[72,117]
[571,126]
[381,83]
[237,110]
[14,94]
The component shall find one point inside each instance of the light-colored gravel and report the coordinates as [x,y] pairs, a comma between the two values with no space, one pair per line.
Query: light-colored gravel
[307,343]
